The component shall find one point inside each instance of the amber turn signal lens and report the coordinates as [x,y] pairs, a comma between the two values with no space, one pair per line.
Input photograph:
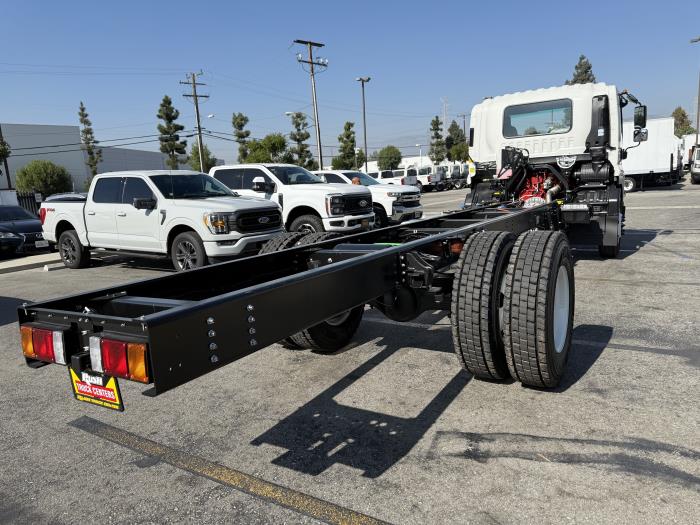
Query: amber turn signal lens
[27,342]
[136,355]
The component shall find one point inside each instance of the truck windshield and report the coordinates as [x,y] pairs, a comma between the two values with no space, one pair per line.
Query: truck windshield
[365,179]
[194,186]
[14,213]
[294,175]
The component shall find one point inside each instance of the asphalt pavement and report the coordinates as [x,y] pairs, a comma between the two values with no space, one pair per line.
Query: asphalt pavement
[389,429]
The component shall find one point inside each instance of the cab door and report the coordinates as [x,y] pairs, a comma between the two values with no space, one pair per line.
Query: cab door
[139,229]
[100,212]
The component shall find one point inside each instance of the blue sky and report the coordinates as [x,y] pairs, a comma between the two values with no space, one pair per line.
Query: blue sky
[120,58]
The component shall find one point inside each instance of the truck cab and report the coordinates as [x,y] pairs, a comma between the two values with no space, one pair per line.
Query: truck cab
[571,143]
[308,204]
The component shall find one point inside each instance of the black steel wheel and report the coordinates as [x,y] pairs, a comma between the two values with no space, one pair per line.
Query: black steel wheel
[187,252]
[332,334]
[73,253]
[380,218]
[477,304]
[538,310]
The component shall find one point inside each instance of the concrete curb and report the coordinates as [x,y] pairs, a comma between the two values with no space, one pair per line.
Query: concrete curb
[29,264]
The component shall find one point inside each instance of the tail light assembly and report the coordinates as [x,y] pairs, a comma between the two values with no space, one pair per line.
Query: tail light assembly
[43,344]
[124,359]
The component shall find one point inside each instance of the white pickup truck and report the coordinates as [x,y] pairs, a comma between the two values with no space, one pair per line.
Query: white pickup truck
[308,204]
[392,204]
[186,215]
[402,176]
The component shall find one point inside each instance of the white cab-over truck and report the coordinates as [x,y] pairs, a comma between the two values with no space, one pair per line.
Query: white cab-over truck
[558,145]
[188,216]
[392,204]
[308,204]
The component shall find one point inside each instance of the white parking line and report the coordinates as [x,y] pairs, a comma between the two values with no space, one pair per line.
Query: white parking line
[689,207]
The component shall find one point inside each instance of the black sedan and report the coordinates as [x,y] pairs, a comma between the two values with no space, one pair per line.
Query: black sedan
[20,231]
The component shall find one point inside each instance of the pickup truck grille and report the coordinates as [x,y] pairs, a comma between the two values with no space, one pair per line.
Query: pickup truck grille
[255,221]
[358,205]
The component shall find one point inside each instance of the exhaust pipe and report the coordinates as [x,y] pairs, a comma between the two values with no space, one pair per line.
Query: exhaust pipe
[551,192]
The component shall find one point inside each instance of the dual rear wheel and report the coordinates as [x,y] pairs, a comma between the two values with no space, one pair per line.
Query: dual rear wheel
[513,306]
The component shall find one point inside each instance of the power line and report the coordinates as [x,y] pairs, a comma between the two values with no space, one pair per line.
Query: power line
[80,143]
[81,149]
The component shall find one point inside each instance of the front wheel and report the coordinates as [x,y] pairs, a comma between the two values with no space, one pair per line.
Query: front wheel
[630,184]
[187,252]
[73,253]
[380,218]
[307,224]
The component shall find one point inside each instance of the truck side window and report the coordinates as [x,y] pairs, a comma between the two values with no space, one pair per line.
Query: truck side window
[108,190]
[332,177]
[136,188]
[232,178]
[249,174]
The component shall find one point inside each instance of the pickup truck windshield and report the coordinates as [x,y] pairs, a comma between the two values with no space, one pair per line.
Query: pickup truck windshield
[365,179]
[294,175]
[195,186]
[14,213]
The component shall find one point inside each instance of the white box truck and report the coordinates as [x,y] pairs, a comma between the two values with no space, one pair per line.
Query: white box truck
[656,161]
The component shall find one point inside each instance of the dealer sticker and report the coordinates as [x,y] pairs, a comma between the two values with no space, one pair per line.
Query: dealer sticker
[97,389]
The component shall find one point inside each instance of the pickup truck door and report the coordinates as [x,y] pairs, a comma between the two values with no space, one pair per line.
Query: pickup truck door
[100,212]
[138,229]
[240,180]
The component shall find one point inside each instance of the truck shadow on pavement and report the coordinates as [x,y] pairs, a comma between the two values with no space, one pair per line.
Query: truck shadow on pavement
[634,456]
[632,241]
[324,432]
[8,309]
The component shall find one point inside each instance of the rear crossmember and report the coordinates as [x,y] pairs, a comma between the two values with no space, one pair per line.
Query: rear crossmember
[313,293]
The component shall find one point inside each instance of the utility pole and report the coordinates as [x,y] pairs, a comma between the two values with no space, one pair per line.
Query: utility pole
[363,81]
[7,169]
[320,62]
[192,81]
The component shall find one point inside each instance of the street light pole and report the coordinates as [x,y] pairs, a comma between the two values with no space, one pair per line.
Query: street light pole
[363,81]
[322,63]
[697,103]
[420,155]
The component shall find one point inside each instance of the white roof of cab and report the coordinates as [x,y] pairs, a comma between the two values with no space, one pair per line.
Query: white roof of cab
[553,92]
[148,173]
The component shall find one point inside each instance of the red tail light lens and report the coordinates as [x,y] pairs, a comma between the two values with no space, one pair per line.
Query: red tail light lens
[114,361]
[42,215]
[43,344]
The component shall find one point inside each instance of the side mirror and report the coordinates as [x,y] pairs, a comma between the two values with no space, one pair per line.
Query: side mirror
[261,186]
[143,203]
[640,134]
[640,117]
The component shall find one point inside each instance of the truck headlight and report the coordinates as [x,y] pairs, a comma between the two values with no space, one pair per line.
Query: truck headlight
[218,223]
[566,161]
[8,235]
[335,204]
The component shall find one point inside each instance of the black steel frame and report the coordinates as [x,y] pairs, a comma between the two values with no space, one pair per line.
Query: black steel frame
[197,321]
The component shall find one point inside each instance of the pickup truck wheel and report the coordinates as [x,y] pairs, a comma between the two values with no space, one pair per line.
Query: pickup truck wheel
[187,252]
[308,224]
[457,184]
[73,253]
[312,238]
[380,218]
[332,334]
[477,303]
[630,184]
[539,308]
